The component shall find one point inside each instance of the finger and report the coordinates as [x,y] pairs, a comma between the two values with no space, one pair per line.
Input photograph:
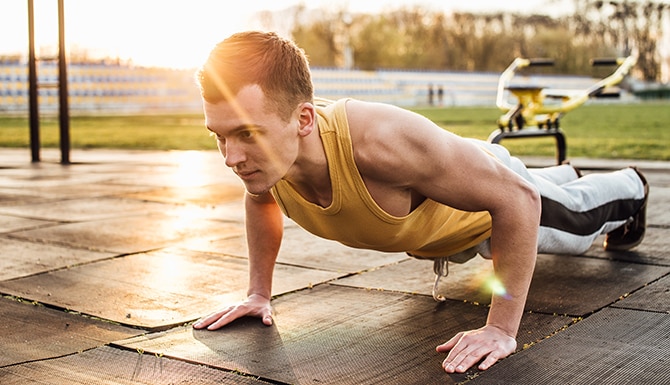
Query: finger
[209,319]
[226,318]
[489,361]
[456,366]
[460,362]
[469,357]
[447,346]
[456,354]
[460,366]
[468,353]
[266,315]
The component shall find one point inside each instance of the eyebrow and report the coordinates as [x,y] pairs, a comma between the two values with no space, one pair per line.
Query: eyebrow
[241,127]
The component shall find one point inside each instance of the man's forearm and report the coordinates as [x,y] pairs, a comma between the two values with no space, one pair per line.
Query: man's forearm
[514,250]
[510,291]
[264,229]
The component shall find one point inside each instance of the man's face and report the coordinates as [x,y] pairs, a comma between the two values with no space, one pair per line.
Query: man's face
[256,143]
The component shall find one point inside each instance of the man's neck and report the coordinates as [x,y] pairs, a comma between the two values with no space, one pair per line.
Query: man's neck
[309,175]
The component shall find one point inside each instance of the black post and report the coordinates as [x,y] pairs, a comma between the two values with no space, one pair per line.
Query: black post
[32,88]
[62,89]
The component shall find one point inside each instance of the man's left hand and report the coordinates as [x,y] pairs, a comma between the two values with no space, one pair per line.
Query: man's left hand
[489,344]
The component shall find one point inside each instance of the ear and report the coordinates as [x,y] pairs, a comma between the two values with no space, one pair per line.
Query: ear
[306,119]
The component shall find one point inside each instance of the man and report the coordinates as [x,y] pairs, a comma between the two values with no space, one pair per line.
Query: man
[380,177]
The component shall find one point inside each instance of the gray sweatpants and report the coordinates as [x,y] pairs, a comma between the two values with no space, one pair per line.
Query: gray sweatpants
[575,210]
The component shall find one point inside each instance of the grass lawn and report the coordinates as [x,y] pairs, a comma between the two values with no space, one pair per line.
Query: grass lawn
[142,132]
[627,131]
[632,131]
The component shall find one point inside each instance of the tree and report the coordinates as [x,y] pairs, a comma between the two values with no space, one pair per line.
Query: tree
[630,26]
[416,38]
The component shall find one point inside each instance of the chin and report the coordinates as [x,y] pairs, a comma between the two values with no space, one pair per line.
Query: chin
[257,190]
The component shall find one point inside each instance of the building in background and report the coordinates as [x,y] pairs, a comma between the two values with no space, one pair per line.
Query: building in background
[118,88]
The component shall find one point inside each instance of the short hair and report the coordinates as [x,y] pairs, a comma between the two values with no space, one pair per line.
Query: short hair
[276,64]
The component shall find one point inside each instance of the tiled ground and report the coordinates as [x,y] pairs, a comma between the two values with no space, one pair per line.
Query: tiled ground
[105,263]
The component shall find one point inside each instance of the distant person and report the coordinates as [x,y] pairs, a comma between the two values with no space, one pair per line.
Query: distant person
[440,95]
[431,94]
[379,177]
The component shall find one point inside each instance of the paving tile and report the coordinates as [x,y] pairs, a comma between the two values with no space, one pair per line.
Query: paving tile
[301,248]
[44,175]
[11,223]
[654,249]
[613,346]
[147,169]
[14,196]
[340,335]
[561,284]
[201,195]
[657,174]
[580,285]
[22,258]
[29,332]
[50,193]
[181,174]
[180,253]
[466,282]
[658,209]
[14,157]
[109,366]
[652,297]
[154,290]
[86,190]
[230,211]
[143,232]
[86,209]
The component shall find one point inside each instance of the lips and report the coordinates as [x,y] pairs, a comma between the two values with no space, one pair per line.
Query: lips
[245,174]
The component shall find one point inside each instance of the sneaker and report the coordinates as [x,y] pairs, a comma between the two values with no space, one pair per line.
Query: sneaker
[631,234]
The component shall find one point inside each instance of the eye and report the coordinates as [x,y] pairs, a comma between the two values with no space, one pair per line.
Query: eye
[247,134]
[217,136]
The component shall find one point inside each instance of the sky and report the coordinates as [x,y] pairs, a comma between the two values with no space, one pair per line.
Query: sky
[176,33]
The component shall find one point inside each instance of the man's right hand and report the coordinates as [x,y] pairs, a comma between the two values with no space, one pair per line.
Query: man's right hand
[255,305]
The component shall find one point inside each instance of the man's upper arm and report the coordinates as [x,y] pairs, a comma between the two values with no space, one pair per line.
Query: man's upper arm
[412,152]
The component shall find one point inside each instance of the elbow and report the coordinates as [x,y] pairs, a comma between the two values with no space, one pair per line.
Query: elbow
[523,203]
[533,201]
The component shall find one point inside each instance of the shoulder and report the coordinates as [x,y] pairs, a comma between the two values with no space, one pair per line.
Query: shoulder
[372,124]
[377,115]
[386,123]
[392,141]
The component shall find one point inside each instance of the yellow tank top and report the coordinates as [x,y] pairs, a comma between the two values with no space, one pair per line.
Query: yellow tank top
[354,218]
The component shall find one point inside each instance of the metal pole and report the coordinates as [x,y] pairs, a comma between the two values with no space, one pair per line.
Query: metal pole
[32,88]
[62,89]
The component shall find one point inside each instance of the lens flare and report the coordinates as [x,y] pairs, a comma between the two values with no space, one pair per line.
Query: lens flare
[497,288]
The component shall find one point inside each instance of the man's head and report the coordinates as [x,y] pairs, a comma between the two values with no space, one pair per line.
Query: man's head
[276,64]
[257,98]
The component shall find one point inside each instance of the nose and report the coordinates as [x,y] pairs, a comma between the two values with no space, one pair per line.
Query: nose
[233,154]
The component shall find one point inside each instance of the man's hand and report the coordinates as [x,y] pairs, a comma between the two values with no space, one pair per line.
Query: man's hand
[255,305]
[467,348]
